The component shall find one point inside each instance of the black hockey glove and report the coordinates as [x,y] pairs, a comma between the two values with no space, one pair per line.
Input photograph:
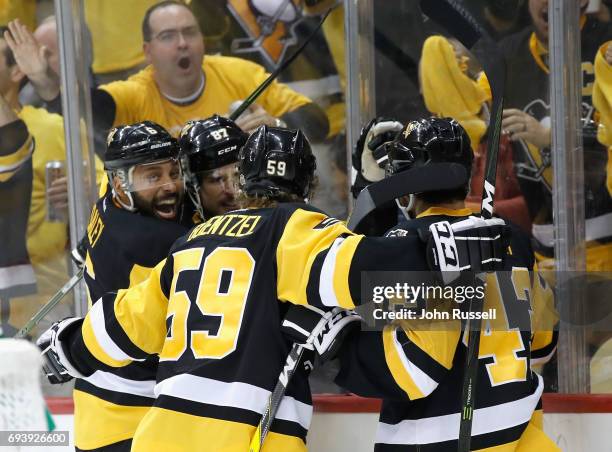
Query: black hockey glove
[79,253]
[318,330]
[474,245]
[57,365]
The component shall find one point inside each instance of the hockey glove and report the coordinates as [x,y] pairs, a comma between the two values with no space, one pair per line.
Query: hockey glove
[475,245]
[318,330]
[79,253]
[57,365]
[370,154]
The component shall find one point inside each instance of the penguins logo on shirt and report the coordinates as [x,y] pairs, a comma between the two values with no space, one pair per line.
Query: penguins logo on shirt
[270,26]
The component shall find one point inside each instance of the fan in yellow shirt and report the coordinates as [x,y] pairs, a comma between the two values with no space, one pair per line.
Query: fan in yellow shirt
[180,84]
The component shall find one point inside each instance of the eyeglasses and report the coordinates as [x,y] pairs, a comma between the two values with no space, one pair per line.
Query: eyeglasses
[172,36]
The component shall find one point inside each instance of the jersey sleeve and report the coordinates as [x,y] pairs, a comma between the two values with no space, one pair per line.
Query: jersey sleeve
[128,98]
[129,325]
[16,147]
[320,262]
[399,362]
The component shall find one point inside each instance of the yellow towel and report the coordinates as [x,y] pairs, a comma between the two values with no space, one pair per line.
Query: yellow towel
[602,96]
[448,91]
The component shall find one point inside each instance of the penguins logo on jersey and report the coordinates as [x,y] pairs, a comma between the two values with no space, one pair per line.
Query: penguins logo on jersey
[270,25]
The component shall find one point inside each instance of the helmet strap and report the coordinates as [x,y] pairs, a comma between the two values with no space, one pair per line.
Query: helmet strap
[129,207]
[194,194]
[405,210]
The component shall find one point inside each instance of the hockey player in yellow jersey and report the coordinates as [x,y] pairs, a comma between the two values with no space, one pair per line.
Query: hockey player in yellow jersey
[418,371]
[212,310]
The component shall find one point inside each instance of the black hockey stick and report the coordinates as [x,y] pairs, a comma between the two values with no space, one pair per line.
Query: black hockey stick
[435,177]
[453,16]
[274,401]
[261,88]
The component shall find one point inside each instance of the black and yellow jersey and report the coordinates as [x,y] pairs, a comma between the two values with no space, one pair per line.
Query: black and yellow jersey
[122,249]
[418,371]
[16,147]
[212,312]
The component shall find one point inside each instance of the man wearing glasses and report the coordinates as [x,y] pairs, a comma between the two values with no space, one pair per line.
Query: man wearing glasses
[180,84]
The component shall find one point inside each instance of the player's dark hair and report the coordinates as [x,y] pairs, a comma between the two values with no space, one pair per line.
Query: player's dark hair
[263,201]
[146,26]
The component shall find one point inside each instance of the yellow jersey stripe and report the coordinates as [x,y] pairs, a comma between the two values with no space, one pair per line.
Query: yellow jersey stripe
[400,374]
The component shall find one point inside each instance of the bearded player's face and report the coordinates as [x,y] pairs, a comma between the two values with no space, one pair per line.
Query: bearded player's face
[158,189]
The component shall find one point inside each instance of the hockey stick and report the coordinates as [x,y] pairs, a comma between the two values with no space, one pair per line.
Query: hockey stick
[260,89]
[461,24]
[274,401]
[42,313]
[435,177]
[77,255]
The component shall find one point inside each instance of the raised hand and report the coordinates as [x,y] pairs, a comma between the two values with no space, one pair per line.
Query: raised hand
[32,59]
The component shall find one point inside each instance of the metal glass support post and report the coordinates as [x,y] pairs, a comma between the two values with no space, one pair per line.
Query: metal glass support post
[568,190]
[75,100]
[360,95]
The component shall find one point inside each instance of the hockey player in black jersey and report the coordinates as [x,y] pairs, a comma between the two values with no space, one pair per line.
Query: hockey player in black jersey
[130,230]
[212,309]
[419,371]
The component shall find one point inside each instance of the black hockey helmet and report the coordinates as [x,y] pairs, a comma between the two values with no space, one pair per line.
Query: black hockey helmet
[276,160]
[429,141]
[206,145]
[139,143]
[210,143]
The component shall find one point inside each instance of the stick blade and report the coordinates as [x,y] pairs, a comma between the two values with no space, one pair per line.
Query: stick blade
[434,177]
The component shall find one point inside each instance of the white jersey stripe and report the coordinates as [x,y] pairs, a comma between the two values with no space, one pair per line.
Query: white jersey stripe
[97,319]
[235,394]
[326,284]
[424,382]
[111,382]
[446,428]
